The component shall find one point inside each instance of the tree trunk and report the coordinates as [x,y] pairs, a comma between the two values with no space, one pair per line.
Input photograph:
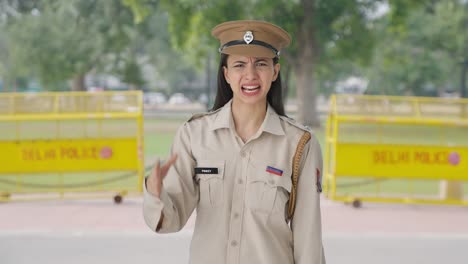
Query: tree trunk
[78,83]
[307,58]
[14,85]
[463,92]
[464,68]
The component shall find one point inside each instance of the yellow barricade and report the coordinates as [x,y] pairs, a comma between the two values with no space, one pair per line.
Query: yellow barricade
[397,149]
[71,144]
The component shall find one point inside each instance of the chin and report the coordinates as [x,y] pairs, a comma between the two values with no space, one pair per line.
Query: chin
[252,100]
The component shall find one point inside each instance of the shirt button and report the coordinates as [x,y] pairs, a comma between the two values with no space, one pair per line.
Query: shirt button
[240,181]
[271,182]
[243,154]
[236,215]
[233,243]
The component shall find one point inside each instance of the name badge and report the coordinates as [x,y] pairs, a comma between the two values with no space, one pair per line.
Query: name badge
[200,170]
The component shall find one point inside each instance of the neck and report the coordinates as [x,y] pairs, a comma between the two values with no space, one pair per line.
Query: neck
[248,118]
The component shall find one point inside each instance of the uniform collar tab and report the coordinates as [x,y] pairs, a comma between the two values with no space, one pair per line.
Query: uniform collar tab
[223,118]
[272,123]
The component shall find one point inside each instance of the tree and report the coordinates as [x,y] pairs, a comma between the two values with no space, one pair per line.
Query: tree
[61,40]
[9,72]
[421,56]
[170,65]
[322,31]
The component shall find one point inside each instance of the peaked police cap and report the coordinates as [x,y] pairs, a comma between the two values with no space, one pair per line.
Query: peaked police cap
[251,38]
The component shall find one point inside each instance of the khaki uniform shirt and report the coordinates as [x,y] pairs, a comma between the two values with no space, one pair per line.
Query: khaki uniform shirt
[240,193]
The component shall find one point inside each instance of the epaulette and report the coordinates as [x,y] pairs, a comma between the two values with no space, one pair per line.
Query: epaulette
[199,115]
[296,124]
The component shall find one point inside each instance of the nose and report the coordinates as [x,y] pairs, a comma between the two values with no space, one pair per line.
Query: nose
[250,71]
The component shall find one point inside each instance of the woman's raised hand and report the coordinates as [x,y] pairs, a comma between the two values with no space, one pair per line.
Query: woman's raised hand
[155,180]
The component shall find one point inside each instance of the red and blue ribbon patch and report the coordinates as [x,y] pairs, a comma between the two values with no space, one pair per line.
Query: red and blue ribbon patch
[274,171]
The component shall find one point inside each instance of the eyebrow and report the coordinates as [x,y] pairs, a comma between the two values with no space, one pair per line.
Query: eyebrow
[256,60]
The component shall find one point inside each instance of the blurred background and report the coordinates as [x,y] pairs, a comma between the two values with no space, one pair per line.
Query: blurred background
[110,50]
[164,48]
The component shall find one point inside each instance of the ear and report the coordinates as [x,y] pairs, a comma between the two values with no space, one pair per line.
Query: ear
[226,76]
[276,70]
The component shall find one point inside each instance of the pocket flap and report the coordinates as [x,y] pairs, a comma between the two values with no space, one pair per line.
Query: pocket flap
[280,181]
[208,169]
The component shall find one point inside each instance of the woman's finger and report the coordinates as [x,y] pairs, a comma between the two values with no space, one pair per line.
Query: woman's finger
[157,169]
[165,168]
[154,182]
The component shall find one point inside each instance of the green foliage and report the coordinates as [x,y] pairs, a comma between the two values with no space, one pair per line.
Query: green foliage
[342,28]
[132,74]
[415,48]
[423,58]
[140,8]
[64,39]
[190,23]
[170,65]
[56,41]
[323,32]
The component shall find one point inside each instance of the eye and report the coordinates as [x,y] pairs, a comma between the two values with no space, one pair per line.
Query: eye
[261,64]
[238,65]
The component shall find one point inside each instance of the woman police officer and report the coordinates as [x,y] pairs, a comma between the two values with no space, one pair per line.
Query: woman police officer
[234,164]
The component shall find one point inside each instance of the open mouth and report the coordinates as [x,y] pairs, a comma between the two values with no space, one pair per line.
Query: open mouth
[250,89]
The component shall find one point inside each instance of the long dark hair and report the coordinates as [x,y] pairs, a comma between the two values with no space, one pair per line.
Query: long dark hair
[224,92]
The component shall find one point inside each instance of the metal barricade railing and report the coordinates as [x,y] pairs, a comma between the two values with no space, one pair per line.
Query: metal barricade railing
[397,149]
[70,144]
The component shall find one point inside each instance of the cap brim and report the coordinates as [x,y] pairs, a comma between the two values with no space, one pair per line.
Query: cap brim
[249,51]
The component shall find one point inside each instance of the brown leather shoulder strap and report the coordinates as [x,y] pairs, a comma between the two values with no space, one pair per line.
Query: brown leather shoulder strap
[295,172]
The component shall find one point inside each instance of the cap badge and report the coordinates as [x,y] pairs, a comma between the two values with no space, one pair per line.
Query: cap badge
[248,37]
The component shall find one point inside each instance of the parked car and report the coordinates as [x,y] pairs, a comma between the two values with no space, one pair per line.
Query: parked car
[203,98]
[154,98]
[178,98]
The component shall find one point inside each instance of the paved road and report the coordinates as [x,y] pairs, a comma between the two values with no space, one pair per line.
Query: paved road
[97,231]
[120,248]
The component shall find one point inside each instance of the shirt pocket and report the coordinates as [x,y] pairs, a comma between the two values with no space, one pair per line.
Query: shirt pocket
[268,193]
[211,184]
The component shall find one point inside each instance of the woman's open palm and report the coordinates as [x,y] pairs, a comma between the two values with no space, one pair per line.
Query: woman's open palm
[155,180]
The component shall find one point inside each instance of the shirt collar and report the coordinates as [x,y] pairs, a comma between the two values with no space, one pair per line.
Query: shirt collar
[271,124]
[224,117]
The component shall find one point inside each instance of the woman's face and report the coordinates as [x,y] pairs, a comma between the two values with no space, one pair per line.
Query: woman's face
[250,78]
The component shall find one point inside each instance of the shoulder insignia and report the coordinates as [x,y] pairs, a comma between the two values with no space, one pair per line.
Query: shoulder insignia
[296,124]
[199,115]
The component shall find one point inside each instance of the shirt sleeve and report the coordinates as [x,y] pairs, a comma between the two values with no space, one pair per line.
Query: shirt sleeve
[180,193]
[306,223]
